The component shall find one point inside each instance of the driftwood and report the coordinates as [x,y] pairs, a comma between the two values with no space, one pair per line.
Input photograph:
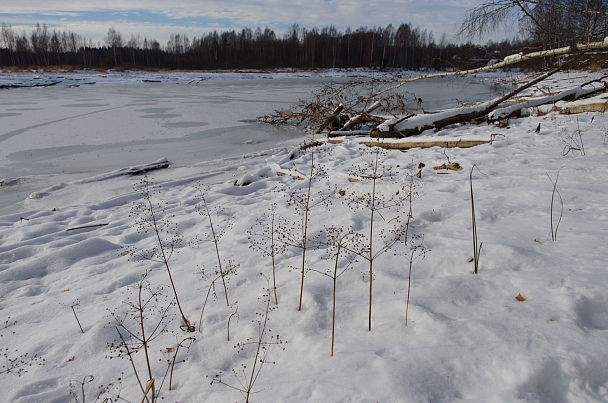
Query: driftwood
[87,226]
[30,85]
[599,106]
[406,145]
[454,166]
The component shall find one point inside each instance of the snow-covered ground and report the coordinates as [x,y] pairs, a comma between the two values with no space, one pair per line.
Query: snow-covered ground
[68,261]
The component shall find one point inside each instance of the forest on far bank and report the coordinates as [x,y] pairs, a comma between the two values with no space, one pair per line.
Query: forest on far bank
[543,25]
[405,47]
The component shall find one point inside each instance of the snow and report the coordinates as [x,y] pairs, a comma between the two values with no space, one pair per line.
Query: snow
[576,92]
[426,120]
[468,338]
[515,56]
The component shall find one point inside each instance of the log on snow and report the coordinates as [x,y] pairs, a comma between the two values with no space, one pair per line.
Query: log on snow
[414,125]
[601,106]
[330,119]
[406,145]
[361,117]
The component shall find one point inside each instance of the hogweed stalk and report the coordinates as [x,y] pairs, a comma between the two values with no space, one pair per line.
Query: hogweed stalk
[148,217]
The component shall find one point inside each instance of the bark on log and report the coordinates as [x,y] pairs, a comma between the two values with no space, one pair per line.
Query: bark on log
[330,118]
[361,117]
[406,145]
[414,125]
[601,106]
[565,96]
[507,61]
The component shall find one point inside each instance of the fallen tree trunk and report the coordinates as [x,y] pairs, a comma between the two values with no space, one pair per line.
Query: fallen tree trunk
[406,145]
[414,125]
[360,117]
[330,119]
[507,61]
[566,95]
[358,99]
[597,106]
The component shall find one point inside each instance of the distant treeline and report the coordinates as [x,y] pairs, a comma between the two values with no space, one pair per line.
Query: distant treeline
[404,47]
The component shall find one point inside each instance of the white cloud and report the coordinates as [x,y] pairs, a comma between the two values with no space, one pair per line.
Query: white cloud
[440,16]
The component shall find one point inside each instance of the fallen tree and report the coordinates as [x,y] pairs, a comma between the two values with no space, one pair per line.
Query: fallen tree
[407,145]
[489,111]
[373,107]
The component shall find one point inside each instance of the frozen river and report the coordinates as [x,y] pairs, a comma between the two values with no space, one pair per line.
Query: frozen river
[54,137]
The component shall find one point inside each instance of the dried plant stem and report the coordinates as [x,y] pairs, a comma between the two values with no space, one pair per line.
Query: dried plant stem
[417,250]
[476,245]
[133,338]
[165,260]
[273,252]
[191,339]
[268,241]
[305,226]
[149,388]
[375,201]
[371,261]
[235,312]
[207,212]
[409,286]
[561,212]
[333,302]
[341,243]
[76,316]
[580,136]
[373,208]
[211,286]
[247,376]
[131,360]
[144,339]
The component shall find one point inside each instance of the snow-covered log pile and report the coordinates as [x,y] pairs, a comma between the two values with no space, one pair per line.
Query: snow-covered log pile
[487,111]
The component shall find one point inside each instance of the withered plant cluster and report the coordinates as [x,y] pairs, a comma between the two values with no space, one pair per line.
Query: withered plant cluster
[379,196]
[153,345]
[13,361]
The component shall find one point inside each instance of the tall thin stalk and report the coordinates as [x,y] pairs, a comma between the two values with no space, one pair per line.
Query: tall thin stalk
[561,212]
[476,245]
[166,236]
[246,377]
[215,237]
[306,207]
[375,202]
[143,322]
[416,250]
[267,241]
[304,203]
[341,243]
[165,259]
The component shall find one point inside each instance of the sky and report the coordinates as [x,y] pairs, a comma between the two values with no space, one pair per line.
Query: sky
[157,19]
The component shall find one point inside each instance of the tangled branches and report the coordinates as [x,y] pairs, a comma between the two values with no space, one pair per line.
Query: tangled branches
[345,106]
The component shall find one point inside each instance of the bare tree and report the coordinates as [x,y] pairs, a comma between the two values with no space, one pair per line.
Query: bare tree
[551,22]
[114,40]
[40,42]
[8,41]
